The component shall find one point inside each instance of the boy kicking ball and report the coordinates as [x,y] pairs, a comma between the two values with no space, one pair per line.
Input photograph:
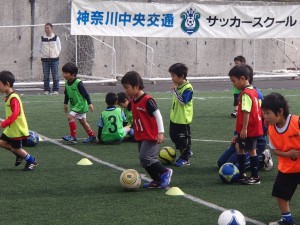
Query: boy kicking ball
[148,130]
[15,125]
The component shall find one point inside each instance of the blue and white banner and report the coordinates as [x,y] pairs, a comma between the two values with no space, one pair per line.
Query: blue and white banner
[111,18]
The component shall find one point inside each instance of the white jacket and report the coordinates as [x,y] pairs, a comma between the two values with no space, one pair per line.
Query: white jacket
[50,47]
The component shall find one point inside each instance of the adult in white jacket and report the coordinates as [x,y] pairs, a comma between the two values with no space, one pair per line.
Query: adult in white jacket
[50,48]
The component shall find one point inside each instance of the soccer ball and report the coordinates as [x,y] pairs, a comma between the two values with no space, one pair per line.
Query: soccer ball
[231,217]
[229,173]
[130,179]
[167,155]
[33,139]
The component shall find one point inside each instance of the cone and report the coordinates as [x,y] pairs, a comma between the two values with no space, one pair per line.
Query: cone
[175,191]
[84,162]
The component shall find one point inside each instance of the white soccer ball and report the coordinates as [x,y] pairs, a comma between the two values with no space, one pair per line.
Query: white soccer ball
[231,217]
[130,179]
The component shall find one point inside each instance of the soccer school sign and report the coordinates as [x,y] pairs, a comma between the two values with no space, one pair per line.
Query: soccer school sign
[111,18]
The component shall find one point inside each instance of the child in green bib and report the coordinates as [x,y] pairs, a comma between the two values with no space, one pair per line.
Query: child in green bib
[80,104]
[110,124]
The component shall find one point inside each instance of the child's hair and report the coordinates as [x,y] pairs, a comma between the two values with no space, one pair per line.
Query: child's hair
[7,77]
[111,98]
[70,68]
[241,70]
[240,58]
[133,78]
[275,102]
[122,96]
[49,24]
[179,69]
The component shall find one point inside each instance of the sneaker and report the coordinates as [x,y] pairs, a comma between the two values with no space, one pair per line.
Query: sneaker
[251,180]
[55,93]
[70,138]
[242,177]
[166,178]
[152,184]
[182,162]
[46,93]
[282,222]
[30,166]
[268,162]
[234,114]
[18,160]
[89,139]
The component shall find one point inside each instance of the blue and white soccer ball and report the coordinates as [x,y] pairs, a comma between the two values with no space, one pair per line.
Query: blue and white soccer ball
[231,217]
[229,173]
[33,139]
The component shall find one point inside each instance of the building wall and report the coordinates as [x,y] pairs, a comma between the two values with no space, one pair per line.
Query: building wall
[203,56]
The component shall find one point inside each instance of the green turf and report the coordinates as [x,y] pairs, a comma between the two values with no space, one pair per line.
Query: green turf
[61,192]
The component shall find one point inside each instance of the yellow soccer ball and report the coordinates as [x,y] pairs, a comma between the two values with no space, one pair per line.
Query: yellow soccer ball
[167,155]
[130,179]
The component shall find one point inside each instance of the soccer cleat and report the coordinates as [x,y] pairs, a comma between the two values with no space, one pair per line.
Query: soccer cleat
[250,180]
[55,93]
[268,162]
[18,160]
[30,166]
[46,93]
[282,222]
[152,184]
[166,178]
[234,114]
[89,139]
[70,138]
[182,162]
[242,177]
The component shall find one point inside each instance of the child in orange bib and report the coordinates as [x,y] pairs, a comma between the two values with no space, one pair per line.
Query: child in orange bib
[284,133]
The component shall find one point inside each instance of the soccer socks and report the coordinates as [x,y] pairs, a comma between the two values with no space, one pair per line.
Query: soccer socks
[91,133]
[287,217]
[29,158]
[153,174]
[254,166]
[72,125]
[241,159]
[155,170]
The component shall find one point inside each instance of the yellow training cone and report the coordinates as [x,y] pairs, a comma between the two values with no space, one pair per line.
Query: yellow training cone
[174,191]
[84,162]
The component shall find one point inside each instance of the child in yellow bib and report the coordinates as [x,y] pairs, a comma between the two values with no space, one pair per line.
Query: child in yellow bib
[15,125]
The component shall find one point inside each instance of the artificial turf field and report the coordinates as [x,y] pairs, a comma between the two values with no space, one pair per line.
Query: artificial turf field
[63,193]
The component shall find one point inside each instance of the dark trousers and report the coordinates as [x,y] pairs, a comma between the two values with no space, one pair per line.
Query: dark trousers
[180,135]
[51,65]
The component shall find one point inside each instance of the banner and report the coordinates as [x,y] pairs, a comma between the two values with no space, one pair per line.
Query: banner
[191,20]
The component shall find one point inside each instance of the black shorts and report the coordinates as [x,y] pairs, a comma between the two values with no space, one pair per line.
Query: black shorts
[285,185]
[248,143]
[14,143]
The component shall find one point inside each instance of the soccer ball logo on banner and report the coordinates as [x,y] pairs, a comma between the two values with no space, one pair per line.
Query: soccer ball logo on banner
[190,21]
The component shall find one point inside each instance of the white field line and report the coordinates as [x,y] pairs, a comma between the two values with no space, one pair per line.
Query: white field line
[101,100]
[203,140]
[110,165]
